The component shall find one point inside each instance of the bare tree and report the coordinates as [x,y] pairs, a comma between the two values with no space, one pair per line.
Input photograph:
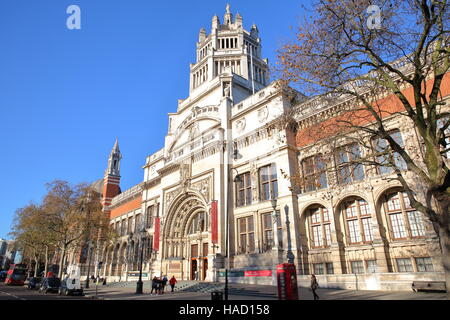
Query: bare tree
[368,66]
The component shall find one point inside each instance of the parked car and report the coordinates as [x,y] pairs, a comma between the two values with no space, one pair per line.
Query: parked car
[50,285]
[34,283]
[70,287]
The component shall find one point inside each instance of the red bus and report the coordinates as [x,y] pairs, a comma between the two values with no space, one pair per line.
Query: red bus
[17,274]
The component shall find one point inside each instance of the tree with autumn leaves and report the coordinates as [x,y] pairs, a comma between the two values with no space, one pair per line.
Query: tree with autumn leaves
[369,61]
[68,217]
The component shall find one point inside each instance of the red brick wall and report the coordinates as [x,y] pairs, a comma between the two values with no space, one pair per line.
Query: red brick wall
[126,207]
[386,106]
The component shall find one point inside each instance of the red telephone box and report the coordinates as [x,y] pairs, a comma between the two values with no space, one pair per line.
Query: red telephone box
[287,282]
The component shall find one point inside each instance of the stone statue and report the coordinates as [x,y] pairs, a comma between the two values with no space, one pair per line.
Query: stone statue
[226,90]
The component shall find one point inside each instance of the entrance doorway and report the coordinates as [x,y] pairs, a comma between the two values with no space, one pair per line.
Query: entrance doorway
[205,268]
[194,269]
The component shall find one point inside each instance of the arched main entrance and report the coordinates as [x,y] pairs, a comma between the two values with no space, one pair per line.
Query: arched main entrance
[186,237]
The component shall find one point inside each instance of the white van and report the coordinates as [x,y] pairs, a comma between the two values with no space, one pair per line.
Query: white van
[71,285]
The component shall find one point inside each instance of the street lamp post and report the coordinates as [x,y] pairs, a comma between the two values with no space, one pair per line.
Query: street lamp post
[89,265]
[139,284]
[273,201]
[227,243]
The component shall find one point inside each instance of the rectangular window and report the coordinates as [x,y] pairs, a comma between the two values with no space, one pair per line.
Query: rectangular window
[124,227]
[416,223]
[348,168]
[150,214]
[371,266]
[424,264]
[246,235]
[327,233]
[318,268]
[314,173]
[317,236]
[330,269]
[130,225]
[268,182]
[357,266]
[353,231]
[137,224]
[267,231]
[386,157]
[404,265]
[243,190]
[398,226]
[393,202]
[367,226]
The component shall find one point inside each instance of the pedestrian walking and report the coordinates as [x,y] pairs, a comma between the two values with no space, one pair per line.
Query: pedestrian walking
[159,285]
[163,284]
[172,283]
[104,282]
[154,285]
[314,286]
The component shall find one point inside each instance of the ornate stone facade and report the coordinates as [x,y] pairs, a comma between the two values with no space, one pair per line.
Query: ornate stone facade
[222,146]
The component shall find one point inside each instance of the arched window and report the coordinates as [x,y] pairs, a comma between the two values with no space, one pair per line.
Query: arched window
[358,221]
[404,221]
[320,227]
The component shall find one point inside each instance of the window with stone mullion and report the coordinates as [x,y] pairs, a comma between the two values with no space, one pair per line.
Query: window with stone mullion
[268,182]
[320,227]
[359,221]
[314,173]
[386,157]
[244,190]
[424,264]
[405,221]
[348,169]
[149,218]
[246,235]
[268,233]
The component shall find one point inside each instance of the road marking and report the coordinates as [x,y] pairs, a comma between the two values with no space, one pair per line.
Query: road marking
[9,294]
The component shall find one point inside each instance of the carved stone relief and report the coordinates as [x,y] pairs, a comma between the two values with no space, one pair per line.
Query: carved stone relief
[240,125]
[203,187]
[263,113]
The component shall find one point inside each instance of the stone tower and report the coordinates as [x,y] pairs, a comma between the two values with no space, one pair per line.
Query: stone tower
[111,180]
[229,49]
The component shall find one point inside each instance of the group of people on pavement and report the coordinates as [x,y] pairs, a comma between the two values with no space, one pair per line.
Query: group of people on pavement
[159,283]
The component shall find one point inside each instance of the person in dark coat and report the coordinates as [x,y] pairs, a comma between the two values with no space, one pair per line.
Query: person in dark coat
[314,286]
[163,284]
[159,285]
[154,285]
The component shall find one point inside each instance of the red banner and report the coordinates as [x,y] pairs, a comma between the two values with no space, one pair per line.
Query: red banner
[258,273]
[156,234]
[214,223]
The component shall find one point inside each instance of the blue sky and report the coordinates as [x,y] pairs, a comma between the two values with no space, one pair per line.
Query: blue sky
[65,95]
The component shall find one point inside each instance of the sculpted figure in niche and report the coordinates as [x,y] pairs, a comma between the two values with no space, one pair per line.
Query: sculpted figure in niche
[226,90]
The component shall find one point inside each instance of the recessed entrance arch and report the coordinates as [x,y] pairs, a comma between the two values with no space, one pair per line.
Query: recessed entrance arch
[185,232]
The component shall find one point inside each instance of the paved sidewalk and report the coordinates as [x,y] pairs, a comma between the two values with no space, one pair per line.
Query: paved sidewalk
[251,292]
